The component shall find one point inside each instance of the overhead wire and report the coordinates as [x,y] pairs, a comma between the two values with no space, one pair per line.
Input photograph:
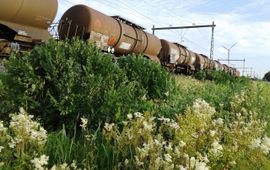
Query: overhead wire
[126,8]
[183,33]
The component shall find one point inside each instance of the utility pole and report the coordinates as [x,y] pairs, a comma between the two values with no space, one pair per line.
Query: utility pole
[212,42]
[229,51]
[243,60]
[193,26]
[244,65]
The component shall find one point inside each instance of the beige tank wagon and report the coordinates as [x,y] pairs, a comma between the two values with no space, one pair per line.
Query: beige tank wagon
[25,22]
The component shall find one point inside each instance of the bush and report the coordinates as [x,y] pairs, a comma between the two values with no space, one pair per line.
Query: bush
[267,76]
[63,81]
[219,77]
[156,80]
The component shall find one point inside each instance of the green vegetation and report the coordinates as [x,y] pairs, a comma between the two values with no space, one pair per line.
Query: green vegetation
[128,114]
[267,76]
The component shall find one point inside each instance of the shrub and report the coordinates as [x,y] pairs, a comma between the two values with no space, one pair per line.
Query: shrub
[267,76]
[219,77]
[156,80]
[63,81]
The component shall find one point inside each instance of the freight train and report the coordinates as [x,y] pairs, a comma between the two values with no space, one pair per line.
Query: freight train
[25,23]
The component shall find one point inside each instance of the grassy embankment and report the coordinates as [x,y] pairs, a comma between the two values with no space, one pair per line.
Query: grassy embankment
[126,115]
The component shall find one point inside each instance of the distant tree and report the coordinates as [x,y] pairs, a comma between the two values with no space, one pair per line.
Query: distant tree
[267,77]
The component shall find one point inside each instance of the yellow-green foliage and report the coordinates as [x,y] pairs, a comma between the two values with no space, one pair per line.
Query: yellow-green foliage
[196,140]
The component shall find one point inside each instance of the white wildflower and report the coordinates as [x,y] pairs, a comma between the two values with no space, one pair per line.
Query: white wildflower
[205,159]
[157,142]
[202,108]
[126,162]
[212,133]
[109,126]
[186,156]
[255,143]
[39,135]
[84,123]
[124,123]
[264,149]
[164,120]
[74,164]
[182,144]
[167,93]
[22,110]
[266,141]
[129,116]
[138,162]
[53,168]
[232,163]
[12,143]
[137,114]
[1,148]
[176,151]
[24,127]
[216,148]
[195,135]
[157,161]
[181,167]
[144,97]
[174,125]
[143,152]
[64,166]
[147,126]
[168,157]
[218,122]
[192,162]
[2,128]
[201,166]
[238,115]
[40,162]
[169,147]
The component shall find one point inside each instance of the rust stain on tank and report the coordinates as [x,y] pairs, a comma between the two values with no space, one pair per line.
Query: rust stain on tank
[111,41]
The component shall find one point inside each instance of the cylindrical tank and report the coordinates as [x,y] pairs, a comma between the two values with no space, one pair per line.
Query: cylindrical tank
[187,58]
[183,54]
[226,68]
[207,62]
[169,53]
[107,32]
[28,16]
[237,73]
[199,62]
[35,13]
[218,65]
[211,64]
[191,59]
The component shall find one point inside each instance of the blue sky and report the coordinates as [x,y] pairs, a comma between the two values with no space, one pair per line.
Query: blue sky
[245,22]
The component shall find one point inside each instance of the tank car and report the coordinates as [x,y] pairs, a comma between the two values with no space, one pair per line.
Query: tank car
[169,54]
[207,63]
[23,22]
[200,62]
[120,36]
[226,68]
[218,65]
[186,61]
[110,34]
